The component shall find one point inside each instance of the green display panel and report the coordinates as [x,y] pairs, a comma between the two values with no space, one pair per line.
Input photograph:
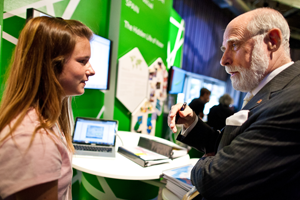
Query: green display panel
[143,24]
[176,40]
[1,23]
[90,187]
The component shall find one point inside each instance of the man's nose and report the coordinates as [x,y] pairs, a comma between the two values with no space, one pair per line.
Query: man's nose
[226,59]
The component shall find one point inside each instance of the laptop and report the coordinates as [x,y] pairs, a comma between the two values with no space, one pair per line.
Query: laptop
[95,137]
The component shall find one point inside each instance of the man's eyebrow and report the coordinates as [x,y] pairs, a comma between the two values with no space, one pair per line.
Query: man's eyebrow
[232,39]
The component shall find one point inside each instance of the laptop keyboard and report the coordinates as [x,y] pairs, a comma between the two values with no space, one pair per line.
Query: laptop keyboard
[92,148]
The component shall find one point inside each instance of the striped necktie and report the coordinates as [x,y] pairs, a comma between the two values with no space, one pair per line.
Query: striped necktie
[247,98]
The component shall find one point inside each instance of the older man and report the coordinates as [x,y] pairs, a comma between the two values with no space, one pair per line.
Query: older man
[258,156]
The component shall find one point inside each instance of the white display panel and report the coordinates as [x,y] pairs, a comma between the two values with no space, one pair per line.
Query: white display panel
[132,79]
[100,61]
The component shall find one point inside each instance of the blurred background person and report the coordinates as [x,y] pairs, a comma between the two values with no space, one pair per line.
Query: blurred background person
[197,104]
[218,114]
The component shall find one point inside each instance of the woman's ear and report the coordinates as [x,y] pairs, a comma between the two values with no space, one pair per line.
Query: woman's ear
[273,39]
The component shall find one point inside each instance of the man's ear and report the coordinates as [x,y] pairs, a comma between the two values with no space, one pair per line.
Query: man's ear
[273,39]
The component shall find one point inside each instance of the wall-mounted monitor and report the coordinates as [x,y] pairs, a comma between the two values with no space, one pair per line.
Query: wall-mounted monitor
[100,56]
[100,61]
[194,83]
[176,80]
[32,12]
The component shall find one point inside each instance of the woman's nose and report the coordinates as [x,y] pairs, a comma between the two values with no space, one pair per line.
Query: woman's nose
[91,70]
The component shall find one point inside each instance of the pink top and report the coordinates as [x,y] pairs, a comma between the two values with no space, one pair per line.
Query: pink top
[46,160]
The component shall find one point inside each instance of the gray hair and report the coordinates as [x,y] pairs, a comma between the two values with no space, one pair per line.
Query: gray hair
[266,19]
[226,100]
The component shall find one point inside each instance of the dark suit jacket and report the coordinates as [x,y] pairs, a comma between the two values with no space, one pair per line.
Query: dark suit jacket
[217,116]
[261,158]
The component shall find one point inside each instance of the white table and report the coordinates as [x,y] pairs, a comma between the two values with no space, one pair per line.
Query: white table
[121,167]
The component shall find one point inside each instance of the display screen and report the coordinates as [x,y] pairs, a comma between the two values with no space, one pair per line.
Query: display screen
[176,80]
[95,131]
[100,61]
[31,12]
[194,83]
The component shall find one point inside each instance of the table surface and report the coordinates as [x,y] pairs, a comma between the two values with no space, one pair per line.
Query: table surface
[121,167]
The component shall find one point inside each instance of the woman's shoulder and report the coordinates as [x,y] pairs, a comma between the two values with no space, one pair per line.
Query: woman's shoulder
[26,126]
[40,157]
[29,122]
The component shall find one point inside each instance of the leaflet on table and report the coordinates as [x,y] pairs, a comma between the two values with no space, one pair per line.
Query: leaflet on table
[170,150]
[142,156]
[145,154]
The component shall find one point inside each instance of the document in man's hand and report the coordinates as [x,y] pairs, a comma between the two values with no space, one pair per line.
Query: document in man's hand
[142,156]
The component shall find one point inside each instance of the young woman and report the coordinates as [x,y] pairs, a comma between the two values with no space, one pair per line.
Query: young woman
[50,64]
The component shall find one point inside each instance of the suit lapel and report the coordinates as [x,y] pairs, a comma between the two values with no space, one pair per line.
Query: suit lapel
[276,84]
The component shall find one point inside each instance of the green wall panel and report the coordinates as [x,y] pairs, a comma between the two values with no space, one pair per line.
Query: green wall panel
[143,24]
[1,42]
[10,5]
[122,115]
[139,190]
[85,195]
[173,33]
[7,50]
[59,7]
[94,14]
[154,23]
[14,26]
[88,105]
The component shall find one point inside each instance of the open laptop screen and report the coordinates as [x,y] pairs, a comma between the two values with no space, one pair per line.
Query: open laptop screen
[95,131]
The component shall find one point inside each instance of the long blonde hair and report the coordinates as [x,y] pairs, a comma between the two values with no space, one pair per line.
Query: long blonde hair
[42,49]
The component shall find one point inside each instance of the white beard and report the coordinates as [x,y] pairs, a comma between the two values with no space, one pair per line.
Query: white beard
[248,79]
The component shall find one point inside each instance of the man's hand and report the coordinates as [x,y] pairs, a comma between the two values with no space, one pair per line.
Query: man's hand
[208,154]
[186,117]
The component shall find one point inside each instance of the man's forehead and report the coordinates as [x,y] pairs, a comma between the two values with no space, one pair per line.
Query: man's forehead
[237,27]
[234,33]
